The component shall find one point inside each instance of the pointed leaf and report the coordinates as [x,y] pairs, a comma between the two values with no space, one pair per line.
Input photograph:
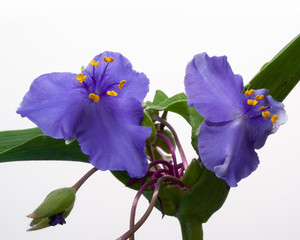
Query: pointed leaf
[282,73]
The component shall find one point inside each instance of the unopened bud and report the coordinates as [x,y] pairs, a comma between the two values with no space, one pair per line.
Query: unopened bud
[55,208]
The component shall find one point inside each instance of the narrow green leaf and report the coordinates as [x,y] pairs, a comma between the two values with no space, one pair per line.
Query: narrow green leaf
[11,139]
[282,73]
[44,148]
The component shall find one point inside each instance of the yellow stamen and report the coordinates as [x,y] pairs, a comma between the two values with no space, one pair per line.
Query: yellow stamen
[80,78]
[120,86]
[251,102]
[273,120]
[94,97]
[93,63]
[108,59]
[275,117]
[249,92]
[262,108]
[266,114]
[259,97]
[112,93]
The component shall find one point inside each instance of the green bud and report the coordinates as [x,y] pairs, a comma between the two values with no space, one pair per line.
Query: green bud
[58,203]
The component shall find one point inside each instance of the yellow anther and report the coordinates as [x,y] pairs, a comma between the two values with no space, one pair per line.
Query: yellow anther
[259,97]
[108,59]
[120,86]
[94,97]
[93,63]
[266,114]
[80,77]
[249,92]
[251,102]
[112,93]
[262,108]
[275,117]
[273,120]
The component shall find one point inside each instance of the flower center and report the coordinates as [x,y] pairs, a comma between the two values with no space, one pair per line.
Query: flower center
[258,102]
[96,81]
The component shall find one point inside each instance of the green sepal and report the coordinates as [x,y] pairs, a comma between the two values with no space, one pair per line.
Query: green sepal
[281,74]
[58,201]
[205,197]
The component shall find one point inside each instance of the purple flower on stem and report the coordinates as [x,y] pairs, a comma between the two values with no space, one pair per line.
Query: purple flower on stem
[101,107]
[236,123]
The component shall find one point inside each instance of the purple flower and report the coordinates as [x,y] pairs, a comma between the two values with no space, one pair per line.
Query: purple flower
[236,123]
[101,107]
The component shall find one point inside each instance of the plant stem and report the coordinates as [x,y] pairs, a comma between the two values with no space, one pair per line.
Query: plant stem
[191,228]
[84,178]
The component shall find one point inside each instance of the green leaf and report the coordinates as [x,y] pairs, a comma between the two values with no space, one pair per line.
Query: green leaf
[282,73]
[10,139]
[178,104]
[32,144]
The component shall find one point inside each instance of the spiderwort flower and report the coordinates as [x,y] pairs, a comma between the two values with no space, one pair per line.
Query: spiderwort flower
[236,123]
[101,107]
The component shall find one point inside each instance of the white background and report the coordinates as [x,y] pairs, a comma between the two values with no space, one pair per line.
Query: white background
[159,38]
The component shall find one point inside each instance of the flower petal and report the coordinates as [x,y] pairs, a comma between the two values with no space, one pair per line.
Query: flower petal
[114,138]
[120,69]
[54,103]
[225,149]
[213,89]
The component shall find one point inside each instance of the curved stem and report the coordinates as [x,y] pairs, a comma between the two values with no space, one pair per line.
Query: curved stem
[84,178]
[163,162]
[135,227]
[180,149]
[170,145]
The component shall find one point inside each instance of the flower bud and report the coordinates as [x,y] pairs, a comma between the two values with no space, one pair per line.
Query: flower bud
[55,208]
